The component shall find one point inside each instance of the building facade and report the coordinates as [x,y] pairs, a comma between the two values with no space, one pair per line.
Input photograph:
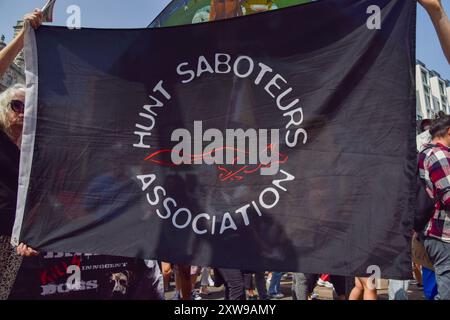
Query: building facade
[432,92]
[15,73]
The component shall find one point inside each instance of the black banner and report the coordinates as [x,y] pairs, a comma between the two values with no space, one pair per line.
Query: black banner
[279,141]
[76,276]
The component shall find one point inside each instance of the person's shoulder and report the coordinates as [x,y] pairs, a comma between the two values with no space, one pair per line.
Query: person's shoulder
[5,141]
[9,153]
[437,152]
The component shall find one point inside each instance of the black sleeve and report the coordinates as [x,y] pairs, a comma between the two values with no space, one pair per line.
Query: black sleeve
[424,207]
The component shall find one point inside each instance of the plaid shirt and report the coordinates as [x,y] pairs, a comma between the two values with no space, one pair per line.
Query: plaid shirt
[434,169]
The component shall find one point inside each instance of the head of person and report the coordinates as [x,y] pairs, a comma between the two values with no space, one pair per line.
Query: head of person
[12,102]
[440,129]
[425,125]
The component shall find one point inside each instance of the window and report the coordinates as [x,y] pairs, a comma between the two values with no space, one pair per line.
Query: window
[9,80]
[436,104]
[424,77]
[441,88]
[427,101]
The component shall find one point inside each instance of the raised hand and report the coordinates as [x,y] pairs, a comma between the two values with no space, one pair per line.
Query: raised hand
[34,18]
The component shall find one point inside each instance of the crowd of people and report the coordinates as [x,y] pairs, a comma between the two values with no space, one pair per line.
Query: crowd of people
[434,231]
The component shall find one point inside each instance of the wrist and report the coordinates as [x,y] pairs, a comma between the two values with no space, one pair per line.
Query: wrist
[21,33]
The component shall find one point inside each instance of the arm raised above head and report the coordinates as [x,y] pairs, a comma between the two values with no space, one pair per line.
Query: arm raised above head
[441,23]
[9,53]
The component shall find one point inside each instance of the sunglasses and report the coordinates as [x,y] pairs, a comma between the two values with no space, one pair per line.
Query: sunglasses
[17,106]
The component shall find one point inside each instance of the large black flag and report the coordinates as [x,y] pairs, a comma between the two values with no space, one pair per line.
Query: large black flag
[280,141]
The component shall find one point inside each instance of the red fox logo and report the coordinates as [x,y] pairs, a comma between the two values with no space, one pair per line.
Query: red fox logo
[227,172]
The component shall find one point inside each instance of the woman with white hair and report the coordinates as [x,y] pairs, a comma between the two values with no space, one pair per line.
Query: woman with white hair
[12,104]
[11,124]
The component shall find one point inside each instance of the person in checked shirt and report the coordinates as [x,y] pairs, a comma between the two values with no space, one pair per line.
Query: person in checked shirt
[434,170]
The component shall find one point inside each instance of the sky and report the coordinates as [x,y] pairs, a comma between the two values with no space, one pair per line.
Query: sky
[139,13]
